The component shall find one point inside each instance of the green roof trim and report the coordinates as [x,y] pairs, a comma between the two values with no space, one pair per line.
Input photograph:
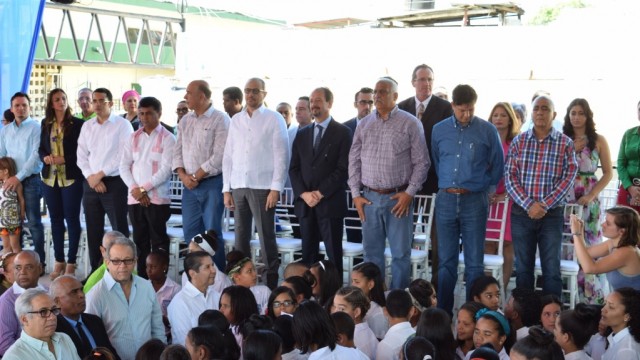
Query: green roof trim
[67,52]
[169,6]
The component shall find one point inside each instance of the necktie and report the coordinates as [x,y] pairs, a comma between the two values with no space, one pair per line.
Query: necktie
[420,111]
[316,142]
[83,338]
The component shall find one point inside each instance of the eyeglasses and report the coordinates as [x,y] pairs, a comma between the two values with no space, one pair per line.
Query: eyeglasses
[365,102]
[118,262]
[252,91]
[182,110]
[44,313]
[286,303]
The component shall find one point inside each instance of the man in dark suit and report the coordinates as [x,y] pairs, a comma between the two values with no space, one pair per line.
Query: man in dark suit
[364,104]
[430,110]
[67,294]
[318,173]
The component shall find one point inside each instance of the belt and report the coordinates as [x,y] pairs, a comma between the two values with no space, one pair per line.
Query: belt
[388,191]
[457,191]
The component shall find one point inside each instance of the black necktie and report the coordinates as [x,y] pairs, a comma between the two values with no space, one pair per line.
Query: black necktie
[83,338]
[316,142]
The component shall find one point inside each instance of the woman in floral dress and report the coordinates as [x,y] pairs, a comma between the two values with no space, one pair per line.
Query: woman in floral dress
[591,149]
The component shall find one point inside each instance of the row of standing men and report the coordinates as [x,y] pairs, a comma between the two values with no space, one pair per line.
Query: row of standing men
[385,163]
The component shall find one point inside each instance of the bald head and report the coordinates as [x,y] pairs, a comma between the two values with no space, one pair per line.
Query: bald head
[67,294]
[198,96]
[61,283]
[27,269]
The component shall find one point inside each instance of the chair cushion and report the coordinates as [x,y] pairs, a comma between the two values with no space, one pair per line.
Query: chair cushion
[289,244]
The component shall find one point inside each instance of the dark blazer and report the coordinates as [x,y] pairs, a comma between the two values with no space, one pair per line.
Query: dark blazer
[69,145]
[95,326]
[351,124]
[326,171]
[437,110]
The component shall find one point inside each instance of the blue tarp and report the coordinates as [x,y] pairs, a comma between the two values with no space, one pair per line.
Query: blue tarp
[19,29]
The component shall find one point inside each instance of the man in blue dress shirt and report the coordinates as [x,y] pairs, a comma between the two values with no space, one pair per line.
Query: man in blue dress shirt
[469,160]
[20,140]
[126,302]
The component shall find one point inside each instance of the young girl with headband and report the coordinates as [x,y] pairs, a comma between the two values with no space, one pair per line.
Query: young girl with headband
[493,328]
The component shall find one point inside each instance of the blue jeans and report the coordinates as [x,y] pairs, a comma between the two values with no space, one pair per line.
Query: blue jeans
[381,224]
[202,209]
[31,187]
[546,234]
[64,205]
[459,217]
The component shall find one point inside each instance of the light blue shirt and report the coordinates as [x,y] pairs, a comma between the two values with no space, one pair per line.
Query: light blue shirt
[21,143]
[128,324]
[27,347]
[467,156]
[84,328]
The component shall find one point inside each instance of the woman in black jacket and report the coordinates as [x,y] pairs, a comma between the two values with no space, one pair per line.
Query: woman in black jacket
[61,178]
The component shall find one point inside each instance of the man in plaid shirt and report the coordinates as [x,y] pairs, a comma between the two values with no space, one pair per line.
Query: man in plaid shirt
[540,168]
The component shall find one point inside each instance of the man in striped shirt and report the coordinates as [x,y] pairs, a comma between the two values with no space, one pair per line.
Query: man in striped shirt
[541,167]
[388,163]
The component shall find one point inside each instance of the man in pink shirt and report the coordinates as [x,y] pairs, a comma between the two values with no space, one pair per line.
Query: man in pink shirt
[146,169]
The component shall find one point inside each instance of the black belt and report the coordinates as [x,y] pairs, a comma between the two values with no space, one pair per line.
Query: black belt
[388,191]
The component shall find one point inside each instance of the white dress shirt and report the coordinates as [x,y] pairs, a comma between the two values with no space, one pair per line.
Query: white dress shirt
[424,103]
[186,307]
[257,151]
[596,346]
[262,293]
[131,323]
[365,340]
[577,355]
[377,321]
[27,347]
[295,355]
[339,353]
[146,162]
[201,141]
[622,346]
[100,146]
[389,347]
[522,333]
